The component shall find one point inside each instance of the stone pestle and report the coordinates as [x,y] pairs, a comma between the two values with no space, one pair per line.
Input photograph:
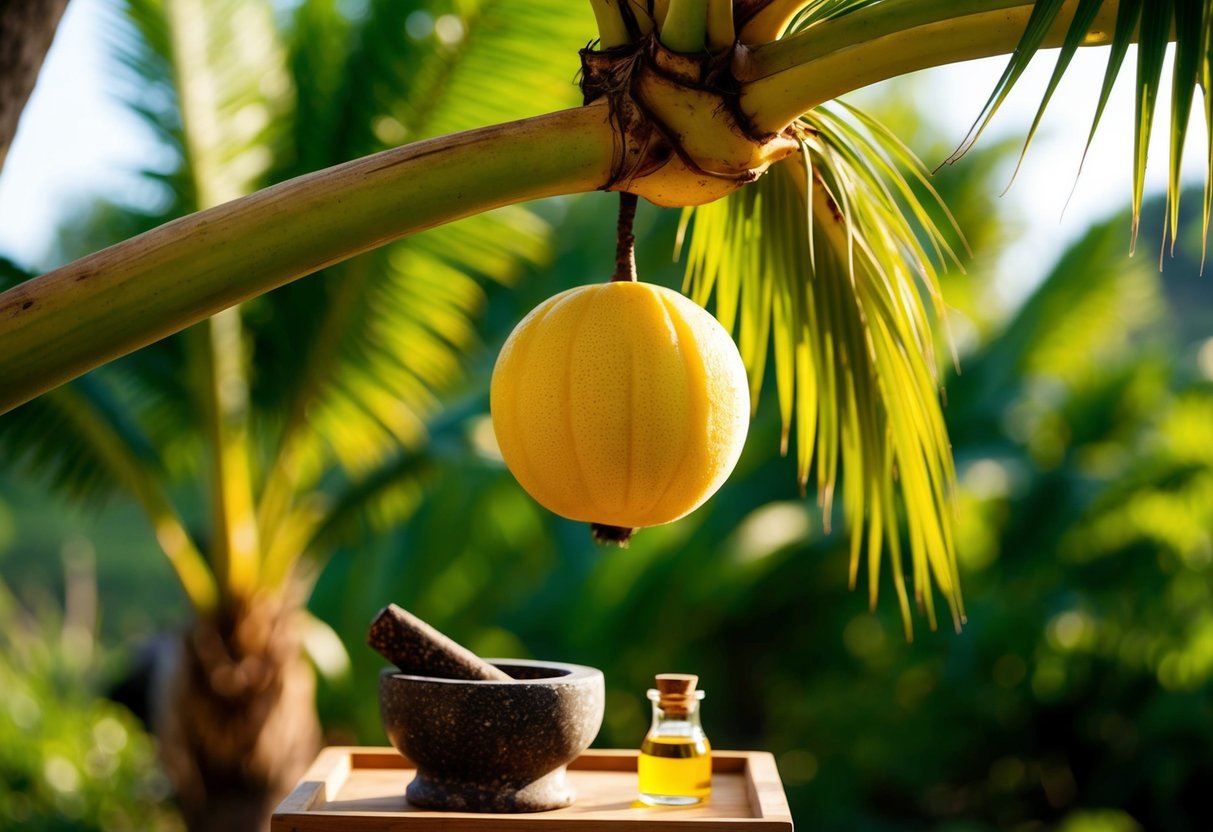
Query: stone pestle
[419,650]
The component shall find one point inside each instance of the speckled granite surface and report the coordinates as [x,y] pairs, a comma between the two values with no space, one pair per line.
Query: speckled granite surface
[491,746]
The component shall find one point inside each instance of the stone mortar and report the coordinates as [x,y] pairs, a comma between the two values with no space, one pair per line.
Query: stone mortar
[489,746]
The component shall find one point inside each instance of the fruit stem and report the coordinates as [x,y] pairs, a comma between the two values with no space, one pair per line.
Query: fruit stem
[625,241]
[612,25]
[685,27]
[604,534]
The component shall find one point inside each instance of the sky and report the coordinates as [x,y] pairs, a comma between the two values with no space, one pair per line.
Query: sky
[76,142]
[1046,182]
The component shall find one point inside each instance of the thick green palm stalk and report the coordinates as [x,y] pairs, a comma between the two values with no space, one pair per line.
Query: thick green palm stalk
[62,324]
[68,321]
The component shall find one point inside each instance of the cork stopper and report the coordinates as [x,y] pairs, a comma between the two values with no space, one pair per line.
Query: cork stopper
[676,692]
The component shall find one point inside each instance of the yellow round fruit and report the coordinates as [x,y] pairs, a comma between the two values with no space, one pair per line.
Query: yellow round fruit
[620,404]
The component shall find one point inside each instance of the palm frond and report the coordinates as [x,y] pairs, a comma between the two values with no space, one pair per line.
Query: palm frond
[1206,86]
[53,439]
[49,439]
[382,498]
[80,440]
[1153,35]
[494,70]
[1043,15]
[231,53]
[139,46]
[1152,25]
[1084,16]
[209,78]
[1186,75]
[820,10]
[230,87]
[826,254]
[406,333]
[319,40]
[397,322]
[149,386]
[1127,15]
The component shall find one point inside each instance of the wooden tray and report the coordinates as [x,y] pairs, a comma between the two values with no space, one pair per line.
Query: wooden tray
[362,789]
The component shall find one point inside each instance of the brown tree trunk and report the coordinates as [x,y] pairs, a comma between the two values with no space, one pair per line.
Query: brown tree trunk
[236,717]
[26,30]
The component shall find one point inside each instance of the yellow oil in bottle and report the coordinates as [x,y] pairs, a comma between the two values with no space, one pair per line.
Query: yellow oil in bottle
[671,768]
[675,763]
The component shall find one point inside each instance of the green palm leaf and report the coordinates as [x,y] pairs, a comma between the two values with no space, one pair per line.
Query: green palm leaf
[382,336]
[397,322]
[80,438]
[209,77]
[1153,35]
[1084,15]
[1186,73]
[815,11]
[227,145]
[385,497]
[155,380]
[229,74]
[1152,25]
[420,87]
[1044,13]
[826,254]
[84,440]
[71,437]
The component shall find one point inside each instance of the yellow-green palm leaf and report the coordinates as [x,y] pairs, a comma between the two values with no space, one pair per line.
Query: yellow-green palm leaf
[820,262]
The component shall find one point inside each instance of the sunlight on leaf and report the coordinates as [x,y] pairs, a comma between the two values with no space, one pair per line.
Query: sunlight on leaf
[348,367]
[1184,79]
[823,258]
[1151,25]
[1084,16]
[399,320]
[816,11]
[398,323]
[1153,35]
[1044,12]
[1122,36]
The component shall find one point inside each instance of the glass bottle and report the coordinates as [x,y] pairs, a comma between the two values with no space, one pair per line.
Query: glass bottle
[675,763]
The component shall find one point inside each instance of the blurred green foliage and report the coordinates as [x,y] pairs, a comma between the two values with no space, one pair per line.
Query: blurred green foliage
[1079,697]
[91,766]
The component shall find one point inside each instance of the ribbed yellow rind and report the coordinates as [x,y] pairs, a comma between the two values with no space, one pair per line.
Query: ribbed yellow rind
[623,404]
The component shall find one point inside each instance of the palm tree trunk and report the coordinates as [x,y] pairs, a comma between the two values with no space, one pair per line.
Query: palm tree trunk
[27,28]
[236,714]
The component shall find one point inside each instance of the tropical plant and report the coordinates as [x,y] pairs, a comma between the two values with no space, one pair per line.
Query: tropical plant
[91,766]
[689,100]
[24,40]
[258,440]
[1076,698]
[307,405]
